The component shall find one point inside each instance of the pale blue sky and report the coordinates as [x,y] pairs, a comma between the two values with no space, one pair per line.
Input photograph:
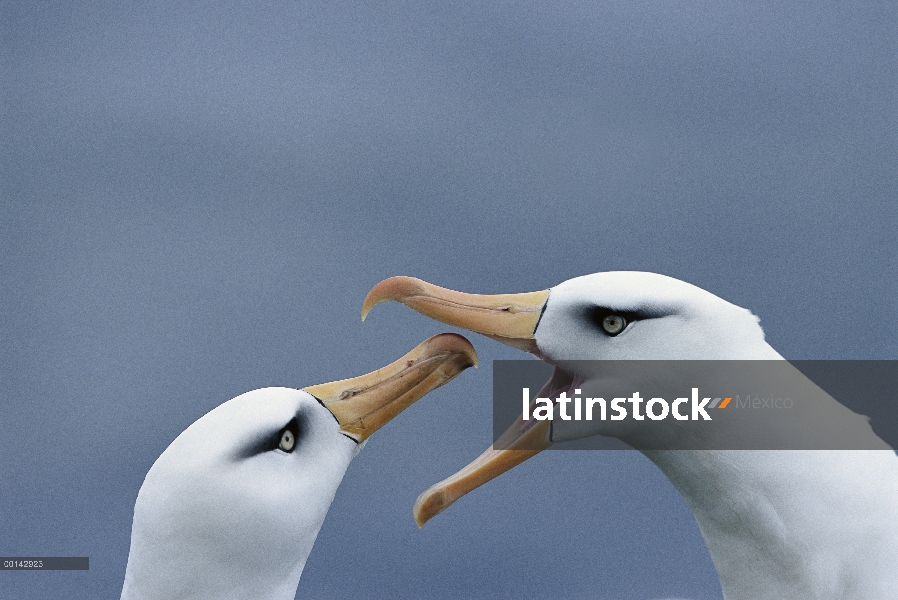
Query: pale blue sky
[195,198]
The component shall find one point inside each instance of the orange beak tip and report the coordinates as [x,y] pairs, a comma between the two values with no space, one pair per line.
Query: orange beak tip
[366,308]
[392,288]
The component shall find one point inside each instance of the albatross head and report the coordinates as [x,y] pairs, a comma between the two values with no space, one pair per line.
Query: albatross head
[798,524]
[232,508]
[624,315]
[618,315]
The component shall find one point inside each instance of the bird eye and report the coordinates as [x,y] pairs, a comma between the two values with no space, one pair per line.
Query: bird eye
[613,324]
[288,441]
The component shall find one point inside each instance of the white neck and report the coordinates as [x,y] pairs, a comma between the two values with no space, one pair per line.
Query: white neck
[190,544]
[168,566]
[794,524]
[163,574]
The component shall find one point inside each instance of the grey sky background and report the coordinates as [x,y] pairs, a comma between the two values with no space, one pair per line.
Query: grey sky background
[195,198]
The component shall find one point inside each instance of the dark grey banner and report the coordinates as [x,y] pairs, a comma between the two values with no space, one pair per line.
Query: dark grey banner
[699,405]
[45,563]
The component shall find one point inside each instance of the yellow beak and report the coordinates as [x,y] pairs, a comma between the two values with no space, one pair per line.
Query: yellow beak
[517,444]
[509,318]
[364,404]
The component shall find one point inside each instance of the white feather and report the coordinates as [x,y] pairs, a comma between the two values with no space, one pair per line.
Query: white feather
[216,519]
[779,524]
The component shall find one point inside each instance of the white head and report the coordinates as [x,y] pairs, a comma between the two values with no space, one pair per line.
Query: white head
[234,504]
[232,508]
[624,315]
[628,316]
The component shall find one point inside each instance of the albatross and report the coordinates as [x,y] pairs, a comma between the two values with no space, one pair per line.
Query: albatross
[232,507]
[796,524]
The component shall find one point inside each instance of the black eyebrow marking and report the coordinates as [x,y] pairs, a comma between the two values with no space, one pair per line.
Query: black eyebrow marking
[270,440]
[597,313]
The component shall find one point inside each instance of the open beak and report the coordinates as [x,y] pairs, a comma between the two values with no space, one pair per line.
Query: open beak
[509,318]
[518,443]
[364,404]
